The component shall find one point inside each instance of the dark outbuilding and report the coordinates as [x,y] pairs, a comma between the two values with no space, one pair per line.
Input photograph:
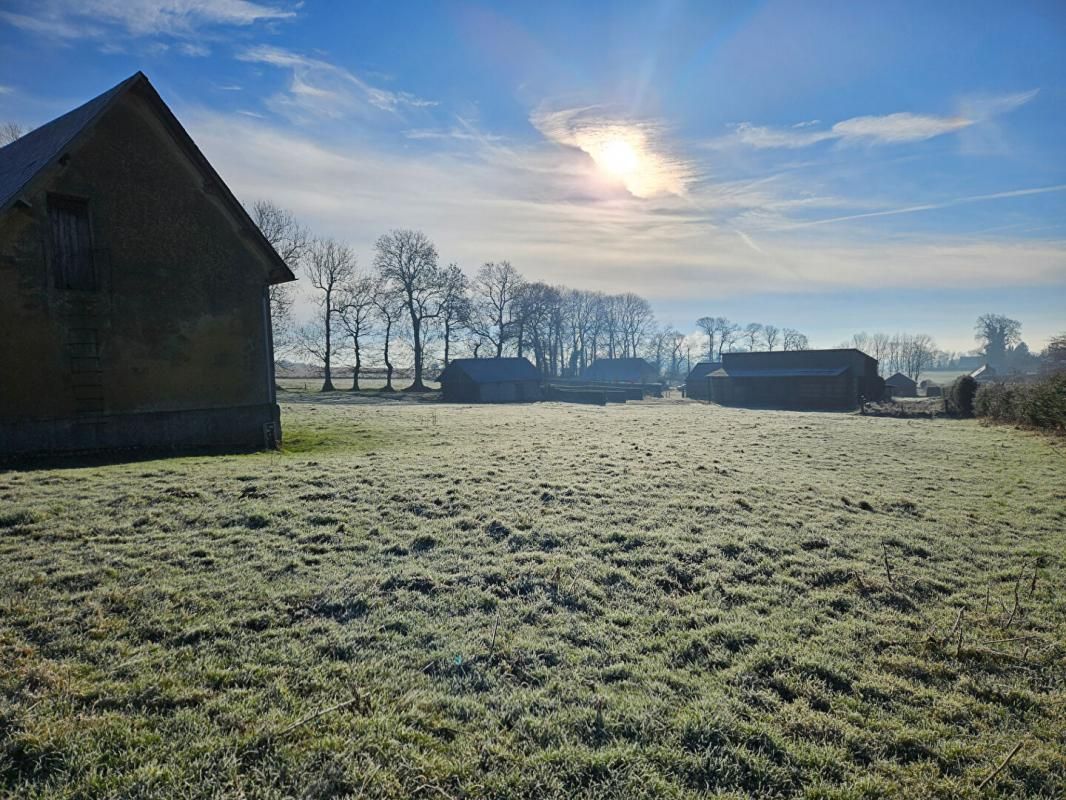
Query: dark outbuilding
[801,379]
[899,385]
[490,380]
[698,384]
[621,370]
[133,289]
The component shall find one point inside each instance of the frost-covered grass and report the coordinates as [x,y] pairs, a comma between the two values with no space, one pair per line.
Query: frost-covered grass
[662,599]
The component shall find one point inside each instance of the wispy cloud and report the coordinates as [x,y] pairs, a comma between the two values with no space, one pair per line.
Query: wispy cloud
[194,49]
[80,19]
[647,168]
[887,129]
[913,209]
[520,202]
[319,89]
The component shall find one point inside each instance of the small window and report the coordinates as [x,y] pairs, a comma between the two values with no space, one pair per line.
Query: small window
[72,250]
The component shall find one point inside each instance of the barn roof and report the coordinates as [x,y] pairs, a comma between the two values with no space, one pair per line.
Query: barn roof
[899,379]
[703,369]
[24,159]
[491,370]
[780,373]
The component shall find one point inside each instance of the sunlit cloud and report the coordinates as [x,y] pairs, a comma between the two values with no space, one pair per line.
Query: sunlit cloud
[886,129]
[517,205]
[319,89]
[630,151]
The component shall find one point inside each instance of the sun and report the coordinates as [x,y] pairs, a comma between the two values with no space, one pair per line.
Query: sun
[618,157]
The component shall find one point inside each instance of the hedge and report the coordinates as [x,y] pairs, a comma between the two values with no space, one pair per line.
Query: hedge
[1041,403]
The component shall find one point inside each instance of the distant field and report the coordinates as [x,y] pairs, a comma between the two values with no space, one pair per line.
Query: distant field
[365,384]
[661,599]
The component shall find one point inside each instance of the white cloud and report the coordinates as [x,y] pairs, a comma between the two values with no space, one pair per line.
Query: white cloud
[194,49]
[887,129]
[529,205]
[319,89]
[77,19]
[632,150]
[51,24]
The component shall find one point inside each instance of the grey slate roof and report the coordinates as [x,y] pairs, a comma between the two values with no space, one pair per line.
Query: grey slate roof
[899,379]
[491,370]
[703,369]
[26,156]
[780,373]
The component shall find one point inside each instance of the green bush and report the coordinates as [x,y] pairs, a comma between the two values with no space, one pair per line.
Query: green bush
[1041,403]
[959,397]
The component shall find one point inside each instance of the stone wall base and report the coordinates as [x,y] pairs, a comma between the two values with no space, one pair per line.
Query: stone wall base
[255,427]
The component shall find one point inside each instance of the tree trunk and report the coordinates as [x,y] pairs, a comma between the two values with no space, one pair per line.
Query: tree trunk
[358,364]
[447,339]
[327,383]
[416,336]
[388,364]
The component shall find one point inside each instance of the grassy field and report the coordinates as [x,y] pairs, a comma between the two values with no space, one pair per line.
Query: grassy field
[662,599]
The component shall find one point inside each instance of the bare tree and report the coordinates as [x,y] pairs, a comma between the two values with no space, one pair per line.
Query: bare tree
[771,334]
[677,352]
[10,131]
[538,321]
[752,333]
[496,290]
[635,319]
[329,266]
[791,339]
[355,310]
[389,310]
[998,333]
[860,341]
[456,310]
[918,354]
[582,311]
[727,334]
[709,326]
[291,241]
[407,261]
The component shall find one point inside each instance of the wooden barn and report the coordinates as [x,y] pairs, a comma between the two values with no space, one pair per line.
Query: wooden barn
[800,379]
[490,380]
[698,384]
[620,370]
[133,289]
[899,385]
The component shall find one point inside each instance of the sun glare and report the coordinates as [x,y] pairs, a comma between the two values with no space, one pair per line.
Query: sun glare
[618,157]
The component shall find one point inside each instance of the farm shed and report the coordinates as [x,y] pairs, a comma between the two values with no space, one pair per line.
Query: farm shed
[490,380]
[899,385]
[620,370]
[697,384]
[807,379]
[133,288]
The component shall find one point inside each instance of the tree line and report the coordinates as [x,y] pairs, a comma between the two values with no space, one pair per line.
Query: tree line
[408,307]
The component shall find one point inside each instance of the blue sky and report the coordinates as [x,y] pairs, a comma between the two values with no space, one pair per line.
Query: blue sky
[827,166]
